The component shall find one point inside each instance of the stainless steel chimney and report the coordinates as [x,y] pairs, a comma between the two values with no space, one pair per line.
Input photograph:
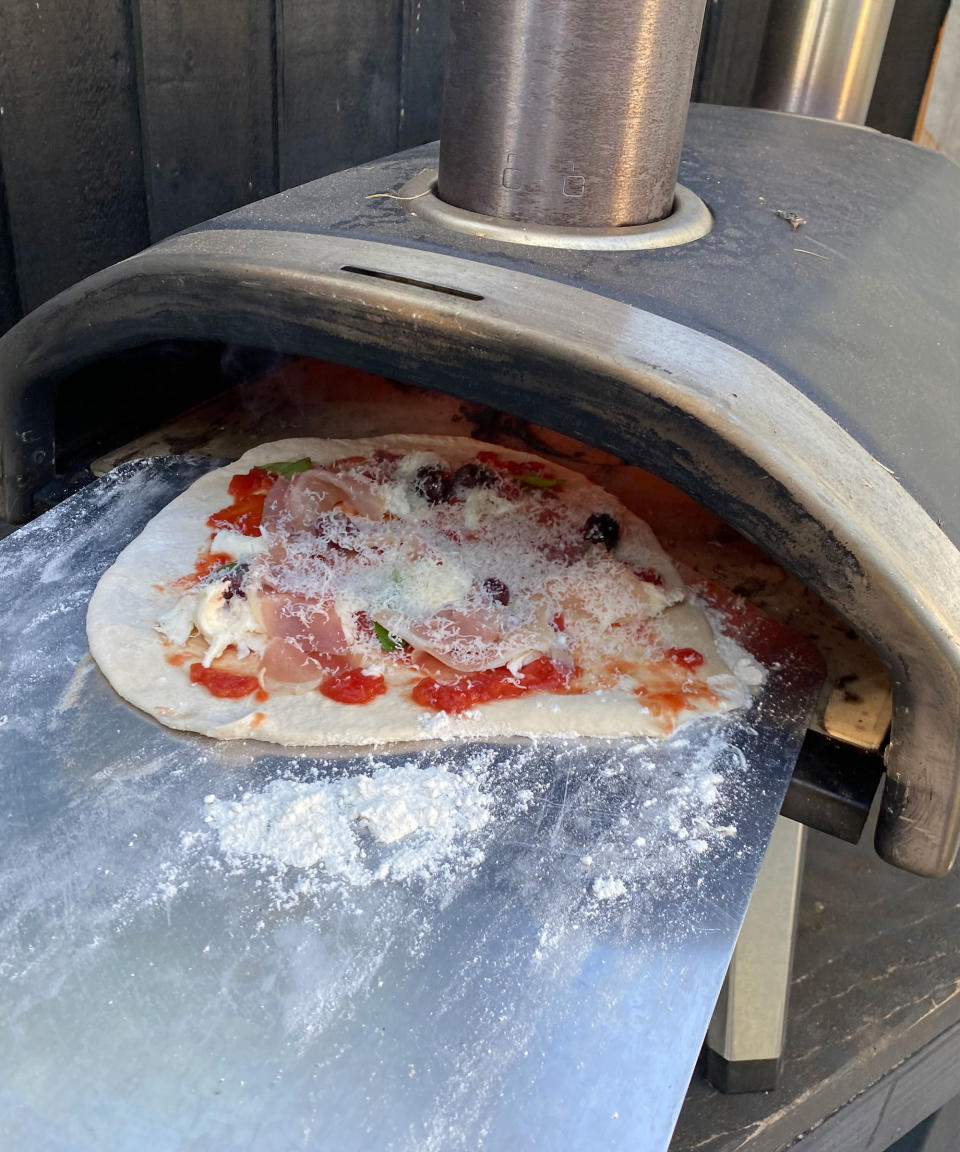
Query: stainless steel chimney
[820,57]
[567,112]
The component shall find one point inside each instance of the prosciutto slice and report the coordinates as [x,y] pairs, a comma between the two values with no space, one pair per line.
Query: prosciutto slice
[313,624]
[463,640]
[284,664]
[296,504]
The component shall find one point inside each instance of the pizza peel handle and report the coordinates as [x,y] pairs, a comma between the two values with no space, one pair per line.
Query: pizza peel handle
[543,980]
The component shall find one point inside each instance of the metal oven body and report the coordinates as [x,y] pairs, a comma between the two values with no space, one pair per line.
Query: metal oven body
[802,382]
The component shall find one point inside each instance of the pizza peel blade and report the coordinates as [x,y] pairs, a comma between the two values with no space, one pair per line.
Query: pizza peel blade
[548,985]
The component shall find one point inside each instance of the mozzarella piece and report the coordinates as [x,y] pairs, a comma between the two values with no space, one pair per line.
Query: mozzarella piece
[236,545]
[223,622]
[412,462]
[396,500]
[177,623]
[517,662]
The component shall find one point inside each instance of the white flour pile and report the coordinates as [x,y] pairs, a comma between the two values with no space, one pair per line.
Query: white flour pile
[608,888]
[605,827]
[398,822]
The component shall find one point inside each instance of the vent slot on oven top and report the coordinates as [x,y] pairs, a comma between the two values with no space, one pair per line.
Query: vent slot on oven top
[372,272]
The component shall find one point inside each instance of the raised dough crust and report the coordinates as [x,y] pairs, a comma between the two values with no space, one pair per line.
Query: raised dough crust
[134,593]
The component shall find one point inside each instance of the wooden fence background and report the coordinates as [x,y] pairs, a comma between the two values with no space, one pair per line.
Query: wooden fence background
[122,121]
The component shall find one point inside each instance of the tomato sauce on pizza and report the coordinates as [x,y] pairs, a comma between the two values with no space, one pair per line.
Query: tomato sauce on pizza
[454,579]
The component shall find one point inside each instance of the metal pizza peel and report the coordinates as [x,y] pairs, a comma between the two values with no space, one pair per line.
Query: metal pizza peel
[546,985]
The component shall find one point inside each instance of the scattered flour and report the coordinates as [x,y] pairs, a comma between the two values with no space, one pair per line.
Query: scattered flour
[400,822]
[420,818]
[73,692]
[608,888]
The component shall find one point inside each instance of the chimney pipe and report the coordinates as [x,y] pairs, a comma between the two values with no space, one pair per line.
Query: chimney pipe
[821,57]
[567,112]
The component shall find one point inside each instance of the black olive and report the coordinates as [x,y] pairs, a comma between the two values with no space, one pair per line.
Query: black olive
[235,582]
[474,475]
[601,528]
[433,483]
[496,590]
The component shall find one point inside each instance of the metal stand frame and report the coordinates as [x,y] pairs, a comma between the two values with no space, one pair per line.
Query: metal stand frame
[746,1035]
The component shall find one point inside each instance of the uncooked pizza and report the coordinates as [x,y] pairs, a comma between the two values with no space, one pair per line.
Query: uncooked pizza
[333,592]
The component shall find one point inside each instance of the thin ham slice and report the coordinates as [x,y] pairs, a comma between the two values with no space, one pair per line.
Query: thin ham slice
[284,664]
[313,624]
[464,641]
[295,504]
[432,667]
[274,505]
[307,640]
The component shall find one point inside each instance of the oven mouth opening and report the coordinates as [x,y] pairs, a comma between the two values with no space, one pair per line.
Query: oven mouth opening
[689,220]
[242,396]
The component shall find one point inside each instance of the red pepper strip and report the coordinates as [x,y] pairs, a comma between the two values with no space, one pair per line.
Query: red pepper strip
[250,483]
[243,516]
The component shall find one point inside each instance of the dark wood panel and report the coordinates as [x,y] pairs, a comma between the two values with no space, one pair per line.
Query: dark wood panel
[207,107]
[730,51]
[69,140]
[339,77]
[10,310]
[878,1117]
[905,64]
[942,1132]
[421,77]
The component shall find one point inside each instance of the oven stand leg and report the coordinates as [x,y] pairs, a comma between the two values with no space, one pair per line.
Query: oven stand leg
[746,1034]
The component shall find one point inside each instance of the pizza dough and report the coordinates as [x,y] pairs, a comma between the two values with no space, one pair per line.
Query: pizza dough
[138,596]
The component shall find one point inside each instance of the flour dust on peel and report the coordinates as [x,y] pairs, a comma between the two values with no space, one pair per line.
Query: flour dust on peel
[398,822]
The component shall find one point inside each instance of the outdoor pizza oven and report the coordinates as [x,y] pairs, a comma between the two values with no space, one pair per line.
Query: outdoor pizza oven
[771,328]
[799,381]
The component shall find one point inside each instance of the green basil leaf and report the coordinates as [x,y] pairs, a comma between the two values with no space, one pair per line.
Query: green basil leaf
[387,642]
[536,481]
[289,467]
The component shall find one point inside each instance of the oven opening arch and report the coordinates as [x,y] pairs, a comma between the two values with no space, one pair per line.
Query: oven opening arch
[704,416]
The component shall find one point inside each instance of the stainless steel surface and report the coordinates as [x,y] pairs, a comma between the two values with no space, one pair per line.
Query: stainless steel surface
[689,220]
[750,1019]
[820,57]
[155,997]
[566,112]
